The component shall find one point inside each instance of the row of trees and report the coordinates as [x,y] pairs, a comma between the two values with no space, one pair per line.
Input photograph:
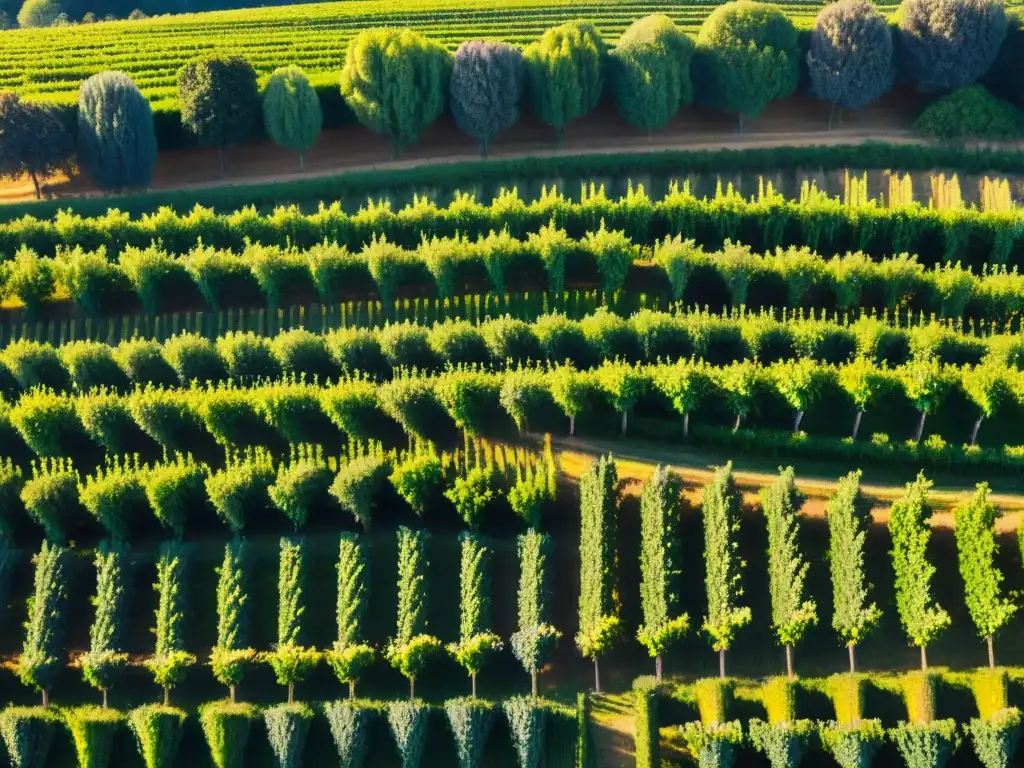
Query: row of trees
[397,82]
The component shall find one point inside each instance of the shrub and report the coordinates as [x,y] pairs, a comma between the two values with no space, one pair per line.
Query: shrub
[226,727]
[926,745]
[470,494]
[223,278]
[173,489]
[28,733]
[35,140]
[417,479]
[395,80]
[31,279]
[48,423]
[194,358]
[970,113]
[948,44]
[852,746]
[565,71]
[33,364]
[291,111]
[166,416]
[144,363]
[407,346]
[357,483]
[92,365]
[116,141]
[784,744]
[349,723]
[51,496]
[470,721]
[93,731]
[851,60]
[12,480]
[302,485]
[511,339]
[651,73]
[459,342]
[486,85]
[358,350]
[97,286]
[408,722]
[303,354]
[714,745]
[287,729]
[248,356]
[526,725]
[240,490]
[413,403]
[157,731]
[996,738]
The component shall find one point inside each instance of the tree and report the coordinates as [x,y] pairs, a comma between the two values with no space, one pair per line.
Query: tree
[395,80]
[799,382]
[922,618]
[230,657]
[651,72]
[721,511]
[948,44]
[33,140]
[106,656]
[986,386]
[38,13]
[486,85]
[41,659]
[623,385]
[565,71]
[350,655]
[864,382]
[170,660]
[661,567]
[926,383]
[976,546]
[291,660]
[739,381]
[116,141]
[533,642]
[686,384]
[600,624]
[476,640]
[291,111]
[747,56]
[219,100]
[787,568]
[852,618]
[851,60]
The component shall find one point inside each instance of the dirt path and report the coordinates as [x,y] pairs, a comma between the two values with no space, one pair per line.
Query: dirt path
[612,730]
[798,121]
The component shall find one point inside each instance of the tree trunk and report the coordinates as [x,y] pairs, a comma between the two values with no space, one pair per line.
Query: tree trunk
[924,658]
[533,682]
[483,149]
[352,688]
[721,663]
[291,693]
[220,160]
[46,697]
[796,422]
[625,416]
[739,420]
[974,432]
[920,428]
[167,696]
[657,668]
[686,424]
[597,676]
[856,424]
[853,659]
[789,661]
[991,653]
[302,163]
[412,688]
[35,183]
[232,692]
[105,702]
[741,123]
[572,426]
[831,115]
[472,681]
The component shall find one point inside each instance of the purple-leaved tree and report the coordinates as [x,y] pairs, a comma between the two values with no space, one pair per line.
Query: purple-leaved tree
[486,85]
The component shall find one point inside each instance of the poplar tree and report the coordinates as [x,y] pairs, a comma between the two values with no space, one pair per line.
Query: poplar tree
[411,647]
[292,114]
[787,568]
[922,618]
[476,640]
[660,567]
[533,642]
[721,510]
[41,658]
[230,658]
[291,660]
[170,660]
[976,546]
[600,624]
[106,657]
[350,655]
[853,618]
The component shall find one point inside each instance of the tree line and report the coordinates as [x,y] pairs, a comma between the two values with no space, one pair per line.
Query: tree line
[397,82]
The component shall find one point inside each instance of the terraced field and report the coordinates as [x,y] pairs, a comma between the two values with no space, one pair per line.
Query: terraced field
[51,63]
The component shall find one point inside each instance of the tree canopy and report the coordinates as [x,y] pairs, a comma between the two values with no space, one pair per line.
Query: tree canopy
[33,140]
[219,100]
[291,110]
[486,85]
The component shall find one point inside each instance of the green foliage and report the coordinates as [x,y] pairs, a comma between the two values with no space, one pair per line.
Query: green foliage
[170,661]
[395,80]
[535,639]
[970,113]
[349,655]
[93,731]
[778,694]
[157,731]
[51,496]
[787,568]
[470,721]
[660,565]
[598,604]
[721,512]
[991,690]
[291,110]
[477,643]
[714,699]
[919,693]
[417,480]
[714,745]
[28,733]
[38,13]
[45,421]
[116,142]
[976,545]
[230,659]
[651,71]
[646,734]
[219,99]
[287,729]
[42,656]
[173,488]
[533,487]
[565,73]
[241,489]
[106,656]
[471,493]
[226,727]
[349,723]
[855,745]
[115,496]
[357,483]
[31,279]
[526,725]
[302,485]
[292,662]
[784,744]
[926,745]
[921,618]
[996,738]
[852,618]
[408,722]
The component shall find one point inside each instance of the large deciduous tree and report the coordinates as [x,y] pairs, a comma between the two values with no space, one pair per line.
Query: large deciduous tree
[851,60]
[116,141]
[395,81]
[566,73]
[651,71]
[219,101]
[747,56]
[947,44]
[486,85]
[291,111]
[38,13]
[33,140]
